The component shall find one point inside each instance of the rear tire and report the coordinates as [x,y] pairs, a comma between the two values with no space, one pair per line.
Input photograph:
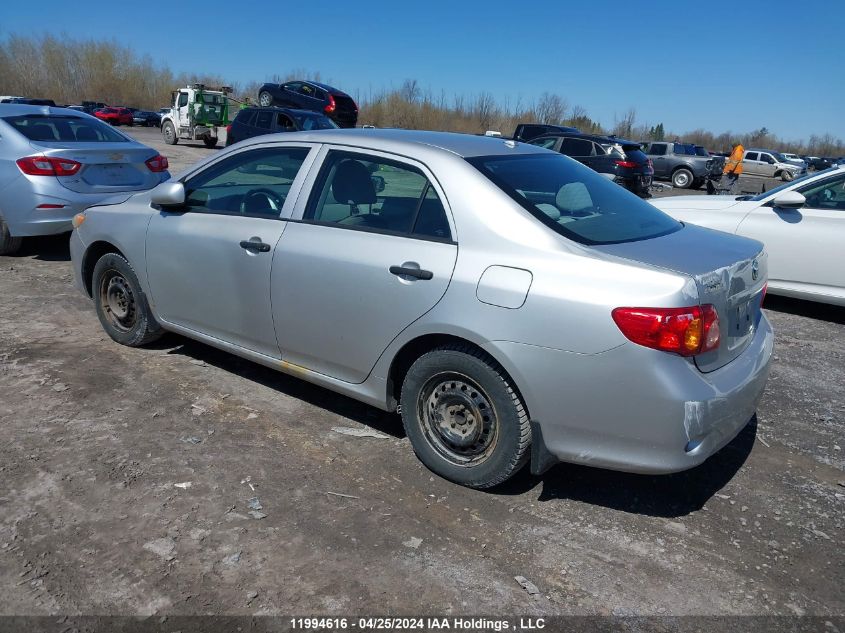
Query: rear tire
[120,303]
[682,178]
[169,133]
[210,143]
[265,98]
[8,245]
[464,418]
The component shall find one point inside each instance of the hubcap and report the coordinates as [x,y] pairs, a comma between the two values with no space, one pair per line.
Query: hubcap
[265,99]
[681,180]
[117,301]
[458,419]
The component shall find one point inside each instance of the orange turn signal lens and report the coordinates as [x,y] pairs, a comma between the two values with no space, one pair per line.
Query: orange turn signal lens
[78,219]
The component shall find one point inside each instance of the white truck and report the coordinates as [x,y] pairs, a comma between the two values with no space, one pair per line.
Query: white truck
[196,114]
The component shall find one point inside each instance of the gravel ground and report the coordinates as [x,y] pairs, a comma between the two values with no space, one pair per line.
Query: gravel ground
[178,479]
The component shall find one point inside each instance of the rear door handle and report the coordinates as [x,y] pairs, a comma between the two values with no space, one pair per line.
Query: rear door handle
[249,245]
[412,272]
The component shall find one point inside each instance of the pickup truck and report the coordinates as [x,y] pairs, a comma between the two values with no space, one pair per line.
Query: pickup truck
[684,164]
[526,131]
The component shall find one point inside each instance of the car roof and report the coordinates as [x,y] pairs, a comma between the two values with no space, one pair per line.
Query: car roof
[405,141]
[598,138]
[281,109]
[18,109]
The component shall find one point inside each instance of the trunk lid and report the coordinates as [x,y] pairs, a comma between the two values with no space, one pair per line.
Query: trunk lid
[729,272]
[106,168]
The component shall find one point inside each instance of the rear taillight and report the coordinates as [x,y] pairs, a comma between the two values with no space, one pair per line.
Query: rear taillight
[765,290]
[48,166]
[684,331]
[625,163]
[331,106]
[157,164]
[228,129]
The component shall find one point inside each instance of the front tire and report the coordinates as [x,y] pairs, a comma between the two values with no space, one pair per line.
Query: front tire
[8,245]
[120,303]
[682,178]
[464,418]
[265,98]
[210,143]
[169,133]
[786,176]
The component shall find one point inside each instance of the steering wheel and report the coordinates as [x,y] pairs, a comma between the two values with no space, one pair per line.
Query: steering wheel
[275,201]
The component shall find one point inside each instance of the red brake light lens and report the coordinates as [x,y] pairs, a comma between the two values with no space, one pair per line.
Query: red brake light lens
[331,106]
[684,331]
[48,166]
[625,163]
[765,290]
[157,164]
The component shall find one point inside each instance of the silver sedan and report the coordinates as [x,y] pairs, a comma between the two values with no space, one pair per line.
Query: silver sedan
[55,162]
[511,303]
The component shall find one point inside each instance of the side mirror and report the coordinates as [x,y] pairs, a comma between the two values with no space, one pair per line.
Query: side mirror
[789,200]
[169,194]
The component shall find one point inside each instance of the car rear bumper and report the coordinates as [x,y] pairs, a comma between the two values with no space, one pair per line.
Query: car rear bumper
[20,202]
[635,409]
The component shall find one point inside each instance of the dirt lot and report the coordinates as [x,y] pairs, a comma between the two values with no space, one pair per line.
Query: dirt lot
[180,480]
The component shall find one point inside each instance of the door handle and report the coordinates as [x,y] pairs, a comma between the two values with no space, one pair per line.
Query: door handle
[249,245]
[412,272]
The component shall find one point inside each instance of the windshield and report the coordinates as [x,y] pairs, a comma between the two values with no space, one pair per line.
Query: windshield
[306,122]
[65,129]
[573,200]
[779,157]
[700,151]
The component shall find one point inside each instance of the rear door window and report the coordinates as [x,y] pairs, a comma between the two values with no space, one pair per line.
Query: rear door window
[364,192]
[264,119]
[576,146]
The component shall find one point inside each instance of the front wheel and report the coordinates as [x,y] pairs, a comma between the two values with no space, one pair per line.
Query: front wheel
[120,303]
[8,245]
[464,418]
[682,178]
[169,133]
[265,98]
[786,176]
[210,142]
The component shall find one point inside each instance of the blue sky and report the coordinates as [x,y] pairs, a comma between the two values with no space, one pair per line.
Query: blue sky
[716,65]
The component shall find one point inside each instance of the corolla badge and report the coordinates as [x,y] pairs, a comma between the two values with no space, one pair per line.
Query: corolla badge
[755,270]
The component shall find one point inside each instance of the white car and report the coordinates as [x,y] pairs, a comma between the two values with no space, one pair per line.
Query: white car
[802,224]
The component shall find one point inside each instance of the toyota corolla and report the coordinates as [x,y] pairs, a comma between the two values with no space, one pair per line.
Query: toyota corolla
[513,305]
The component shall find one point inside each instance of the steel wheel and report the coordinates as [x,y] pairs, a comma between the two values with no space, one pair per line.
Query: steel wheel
[118,301]
[458,418]
[682,178]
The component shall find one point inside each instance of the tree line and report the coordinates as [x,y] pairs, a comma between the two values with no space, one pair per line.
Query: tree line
[70,70]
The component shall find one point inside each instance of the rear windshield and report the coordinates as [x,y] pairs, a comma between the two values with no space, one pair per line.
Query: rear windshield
[65,129]
[307,122]
[573,200]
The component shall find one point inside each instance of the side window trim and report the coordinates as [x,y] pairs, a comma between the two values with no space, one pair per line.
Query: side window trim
[315,170]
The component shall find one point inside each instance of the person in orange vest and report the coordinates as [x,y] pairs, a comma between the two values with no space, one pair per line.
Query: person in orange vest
[733,168]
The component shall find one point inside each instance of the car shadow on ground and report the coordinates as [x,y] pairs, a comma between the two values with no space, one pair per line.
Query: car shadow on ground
[653,495]
[666,496]
[809,309]
[49,248]
[388,423]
